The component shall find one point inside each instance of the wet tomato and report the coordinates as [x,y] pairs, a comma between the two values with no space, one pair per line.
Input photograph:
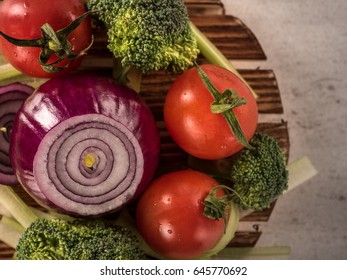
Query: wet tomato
[170,215]
[22,19]
[192,124]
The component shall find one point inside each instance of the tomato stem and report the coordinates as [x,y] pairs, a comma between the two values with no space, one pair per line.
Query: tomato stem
[216,206]
[224,103]
[214,55]
[53,42]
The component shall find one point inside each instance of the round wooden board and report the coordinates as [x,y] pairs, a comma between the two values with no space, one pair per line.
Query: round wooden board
[236,42]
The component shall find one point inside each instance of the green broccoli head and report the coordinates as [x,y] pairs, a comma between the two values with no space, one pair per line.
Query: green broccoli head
[44,240]
[78,240]
[148,34]
[259,175]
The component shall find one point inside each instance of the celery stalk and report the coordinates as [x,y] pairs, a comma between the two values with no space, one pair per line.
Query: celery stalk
[9,234]
[214,55]
[18,209]
[253,253]
[50,214]
[300,171]
[12,223]
[8,71]
[4,211]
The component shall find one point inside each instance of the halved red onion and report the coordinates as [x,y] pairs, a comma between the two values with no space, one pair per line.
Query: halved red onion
[84,145]
[12,97]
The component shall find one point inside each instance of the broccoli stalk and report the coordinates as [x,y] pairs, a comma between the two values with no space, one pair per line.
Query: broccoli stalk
[46,237]
[151,35]
[147,35]
[256,176]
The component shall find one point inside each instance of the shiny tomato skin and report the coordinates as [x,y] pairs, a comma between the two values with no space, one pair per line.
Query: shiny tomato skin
[170,215]
[191,123]
[22,19]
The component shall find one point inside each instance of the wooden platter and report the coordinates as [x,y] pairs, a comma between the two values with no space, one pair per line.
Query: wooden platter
[237,42]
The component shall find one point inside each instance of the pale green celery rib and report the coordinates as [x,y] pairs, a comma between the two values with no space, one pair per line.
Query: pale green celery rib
[253,253]
[12,223]
[8,71]
[49,215]
[16,206]
[300,171]
[9,234]
[4,211]
[214,55]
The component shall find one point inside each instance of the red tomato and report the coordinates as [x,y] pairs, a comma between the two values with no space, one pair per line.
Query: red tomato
[22,19]
[191,123]
[170,215]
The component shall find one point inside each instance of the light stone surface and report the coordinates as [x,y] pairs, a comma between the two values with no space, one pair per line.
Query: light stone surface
[306,46]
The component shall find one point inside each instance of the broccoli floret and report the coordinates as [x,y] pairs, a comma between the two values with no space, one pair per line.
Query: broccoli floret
[147,34]
[55,239]
[253,177]
[259,175]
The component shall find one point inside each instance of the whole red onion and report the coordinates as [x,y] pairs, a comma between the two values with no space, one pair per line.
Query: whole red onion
[85,145]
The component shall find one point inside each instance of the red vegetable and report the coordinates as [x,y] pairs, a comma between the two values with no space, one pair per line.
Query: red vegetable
[22,19]
[170,216]
[192,124]
[84,145]
[11,98]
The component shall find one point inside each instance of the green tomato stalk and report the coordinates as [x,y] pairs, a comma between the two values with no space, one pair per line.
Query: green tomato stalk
[224,103]
[213,54]
[51,43]
[231,220]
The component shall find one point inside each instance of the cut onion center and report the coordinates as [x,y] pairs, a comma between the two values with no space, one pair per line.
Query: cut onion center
[89,164]
[89,161]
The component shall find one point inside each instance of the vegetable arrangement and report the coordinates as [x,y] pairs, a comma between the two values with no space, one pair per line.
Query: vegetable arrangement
[86,147]
[43,236]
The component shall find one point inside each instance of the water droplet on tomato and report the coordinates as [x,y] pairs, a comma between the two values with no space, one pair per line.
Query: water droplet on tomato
[169,231]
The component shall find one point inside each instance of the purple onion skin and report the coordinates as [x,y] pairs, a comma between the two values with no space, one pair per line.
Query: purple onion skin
[11,98]
[64,97]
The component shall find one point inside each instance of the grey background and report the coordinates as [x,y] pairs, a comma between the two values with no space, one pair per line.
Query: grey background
[306,46]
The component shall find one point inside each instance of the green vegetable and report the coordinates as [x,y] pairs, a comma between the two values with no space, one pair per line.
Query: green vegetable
[151,35]
[253,253]
[257,176]
[214,55]
[78,240]
[8,71]
[46,237]
[299,171]
[146,34]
